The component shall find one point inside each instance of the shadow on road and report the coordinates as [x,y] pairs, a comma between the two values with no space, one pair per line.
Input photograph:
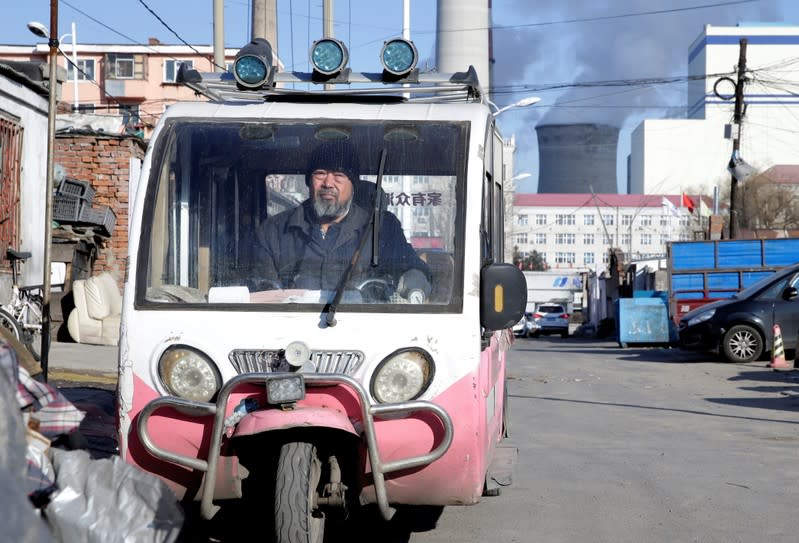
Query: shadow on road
[99,424]
[239,519]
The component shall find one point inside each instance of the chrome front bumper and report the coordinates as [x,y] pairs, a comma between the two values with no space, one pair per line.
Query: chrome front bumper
[368,414]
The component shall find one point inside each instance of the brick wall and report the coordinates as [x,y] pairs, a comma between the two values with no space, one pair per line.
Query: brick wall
[104,161]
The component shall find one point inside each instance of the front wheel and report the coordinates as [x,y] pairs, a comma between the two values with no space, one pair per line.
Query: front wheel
[297,518]
[742,343]
[8,322]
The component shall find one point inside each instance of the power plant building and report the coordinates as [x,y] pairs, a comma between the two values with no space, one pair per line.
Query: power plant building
[692,154]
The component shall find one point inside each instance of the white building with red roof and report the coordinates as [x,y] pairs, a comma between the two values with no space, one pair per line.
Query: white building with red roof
[577,231]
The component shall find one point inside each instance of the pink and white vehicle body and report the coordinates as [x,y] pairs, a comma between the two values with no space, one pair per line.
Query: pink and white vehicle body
[407,396]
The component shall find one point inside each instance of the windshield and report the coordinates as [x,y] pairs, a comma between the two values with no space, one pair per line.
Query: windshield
[286,214]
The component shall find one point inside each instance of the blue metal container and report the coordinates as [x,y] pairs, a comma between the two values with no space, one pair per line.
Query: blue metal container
[643,320]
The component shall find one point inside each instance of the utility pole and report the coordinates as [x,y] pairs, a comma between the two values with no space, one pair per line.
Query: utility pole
[264,22]
[327,16]
[736,142]
[48,191]
[219,36]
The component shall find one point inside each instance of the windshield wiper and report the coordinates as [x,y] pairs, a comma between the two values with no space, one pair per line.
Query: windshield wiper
[377,214]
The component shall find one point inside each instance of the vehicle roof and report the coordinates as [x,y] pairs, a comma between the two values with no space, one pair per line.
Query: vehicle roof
[466,111]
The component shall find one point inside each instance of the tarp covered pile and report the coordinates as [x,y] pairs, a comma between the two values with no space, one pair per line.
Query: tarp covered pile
[55,495]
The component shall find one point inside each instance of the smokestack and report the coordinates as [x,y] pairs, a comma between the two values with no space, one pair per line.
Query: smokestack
[577,158]
[462,38]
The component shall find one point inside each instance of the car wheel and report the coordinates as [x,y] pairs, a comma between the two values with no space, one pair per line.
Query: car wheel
[534,334]
[564,334]
[742,343]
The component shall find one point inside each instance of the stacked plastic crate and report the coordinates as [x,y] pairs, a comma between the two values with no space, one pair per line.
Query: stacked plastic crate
[72,204]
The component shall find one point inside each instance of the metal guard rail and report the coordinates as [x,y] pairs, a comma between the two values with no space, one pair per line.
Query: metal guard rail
[368,411]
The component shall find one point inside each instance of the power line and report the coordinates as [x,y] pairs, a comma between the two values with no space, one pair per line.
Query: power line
[178,36]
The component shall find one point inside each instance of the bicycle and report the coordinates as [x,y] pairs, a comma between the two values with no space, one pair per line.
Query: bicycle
[22,315]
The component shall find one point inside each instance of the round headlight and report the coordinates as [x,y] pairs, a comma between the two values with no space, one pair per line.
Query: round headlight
[250,71]
[189,374]
[399,56]
[402,376]
[329,56]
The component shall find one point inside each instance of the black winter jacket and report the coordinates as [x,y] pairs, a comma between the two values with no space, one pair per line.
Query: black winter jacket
[296,255]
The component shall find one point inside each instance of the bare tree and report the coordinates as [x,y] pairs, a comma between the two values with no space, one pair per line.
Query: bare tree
[765,204]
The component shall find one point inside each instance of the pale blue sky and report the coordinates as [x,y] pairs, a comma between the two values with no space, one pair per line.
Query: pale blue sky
[542,43]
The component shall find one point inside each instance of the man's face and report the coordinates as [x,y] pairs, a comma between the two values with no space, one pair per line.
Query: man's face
[331,192]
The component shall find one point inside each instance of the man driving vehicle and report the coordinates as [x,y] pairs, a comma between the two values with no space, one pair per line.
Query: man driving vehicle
[311,246]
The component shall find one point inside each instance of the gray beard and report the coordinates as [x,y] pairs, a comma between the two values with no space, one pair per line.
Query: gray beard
[330,211]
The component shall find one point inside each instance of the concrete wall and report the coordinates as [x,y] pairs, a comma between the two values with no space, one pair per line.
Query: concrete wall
[28,108]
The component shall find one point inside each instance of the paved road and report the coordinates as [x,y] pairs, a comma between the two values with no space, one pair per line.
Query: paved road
[622,445]
[631,445]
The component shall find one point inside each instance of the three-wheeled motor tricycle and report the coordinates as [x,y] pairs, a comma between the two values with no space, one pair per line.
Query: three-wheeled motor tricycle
[238,362]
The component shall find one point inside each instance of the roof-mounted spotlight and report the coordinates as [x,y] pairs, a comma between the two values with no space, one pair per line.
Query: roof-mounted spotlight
[253,65]
[399,58]
[329,58]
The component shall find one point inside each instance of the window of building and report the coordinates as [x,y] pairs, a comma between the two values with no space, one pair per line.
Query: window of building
[171,67]
[607,239]
[85,70]
[664,239]
[521,239]
[543,257]
[646,239]
[626,220]
[646,220]
[604,257]
[540,238]
[124,66]
[683,220]
[540,218]
[608,220]
[564,238]
[564,219]
[625,240]
[588,258]
[588,220]
[522,220]
[564,258]
[588,239]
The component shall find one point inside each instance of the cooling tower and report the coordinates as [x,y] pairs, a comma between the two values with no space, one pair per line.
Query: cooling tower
[577,158]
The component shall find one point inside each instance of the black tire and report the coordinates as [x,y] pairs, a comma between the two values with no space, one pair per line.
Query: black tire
[296,480]
[564,334]
[8,322]
[742,343]
[535,334]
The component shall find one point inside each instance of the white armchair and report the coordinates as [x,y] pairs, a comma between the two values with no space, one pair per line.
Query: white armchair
[98,307]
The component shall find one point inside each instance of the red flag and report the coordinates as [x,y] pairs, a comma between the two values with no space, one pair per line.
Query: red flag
[686,201]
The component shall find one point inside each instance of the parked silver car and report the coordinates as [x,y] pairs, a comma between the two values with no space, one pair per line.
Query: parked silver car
[525,326]
[551,319]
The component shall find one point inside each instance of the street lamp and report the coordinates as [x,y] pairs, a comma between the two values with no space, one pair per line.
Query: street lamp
[40,30]
[524,102]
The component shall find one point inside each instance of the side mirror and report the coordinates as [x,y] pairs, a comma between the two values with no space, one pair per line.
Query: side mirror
[503,296]
[790,293]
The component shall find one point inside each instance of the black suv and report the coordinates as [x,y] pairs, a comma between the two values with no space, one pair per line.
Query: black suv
[742,327]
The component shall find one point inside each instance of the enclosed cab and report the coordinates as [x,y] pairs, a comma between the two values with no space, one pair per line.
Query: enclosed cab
[267,329]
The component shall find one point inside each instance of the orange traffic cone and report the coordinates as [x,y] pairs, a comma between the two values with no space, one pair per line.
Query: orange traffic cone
[778,361]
